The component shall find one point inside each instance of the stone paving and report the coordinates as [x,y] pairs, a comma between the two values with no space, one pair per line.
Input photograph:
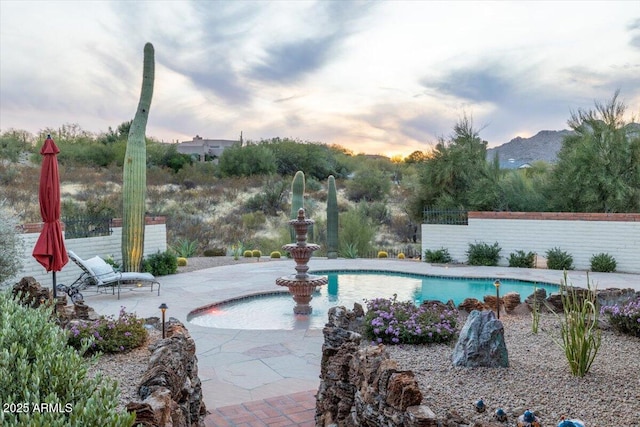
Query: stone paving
[238,366]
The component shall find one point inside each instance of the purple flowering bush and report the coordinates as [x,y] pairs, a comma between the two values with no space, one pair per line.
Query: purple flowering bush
[625,318]
[389,321]
[109,335]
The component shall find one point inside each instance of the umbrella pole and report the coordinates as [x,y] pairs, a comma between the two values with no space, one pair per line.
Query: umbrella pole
[55,296]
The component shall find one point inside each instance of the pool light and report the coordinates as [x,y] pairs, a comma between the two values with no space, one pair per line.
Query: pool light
[163,307]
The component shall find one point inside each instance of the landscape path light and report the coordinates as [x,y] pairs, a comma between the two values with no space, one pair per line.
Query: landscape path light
[163,307]
[497,285]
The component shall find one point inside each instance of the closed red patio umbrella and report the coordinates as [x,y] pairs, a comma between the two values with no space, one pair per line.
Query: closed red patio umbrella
[49,249]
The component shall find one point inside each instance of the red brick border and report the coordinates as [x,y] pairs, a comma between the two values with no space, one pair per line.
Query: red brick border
[292,410]
[36,227]
[557,216]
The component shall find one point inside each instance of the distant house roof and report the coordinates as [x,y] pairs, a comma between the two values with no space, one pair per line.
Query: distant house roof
[514,164]
[201,147]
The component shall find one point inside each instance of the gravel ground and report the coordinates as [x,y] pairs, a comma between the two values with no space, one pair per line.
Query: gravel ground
[126,368]
[538,378]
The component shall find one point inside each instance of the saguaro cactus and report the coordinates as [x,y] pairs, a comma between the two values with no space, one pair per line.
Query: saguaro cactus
[134,177]
[332,219]
[297,198]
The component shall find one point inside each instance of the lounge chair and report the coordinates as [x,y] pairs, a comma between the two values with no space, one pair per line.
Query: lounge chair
[95,271]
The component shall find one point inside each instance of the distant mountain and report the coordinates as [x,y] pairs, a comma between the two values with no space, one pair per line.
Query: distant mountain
[542,146]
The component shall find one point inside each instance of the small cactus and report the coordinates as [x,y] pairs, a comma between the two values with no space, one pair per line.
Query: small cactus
[275,254]
[247,254]
[383,254]
[332,219]
[401,256]
[182,262]
[256,253]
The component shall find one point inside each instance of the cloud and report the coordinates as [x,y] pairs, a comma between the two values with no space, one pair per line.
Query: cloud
[202,44]
[634,29]
[289,60]
[484,84]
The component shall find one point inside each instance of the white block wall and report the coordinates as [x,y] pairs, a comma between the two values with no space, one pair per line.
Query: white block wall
[581,239]
[155,239]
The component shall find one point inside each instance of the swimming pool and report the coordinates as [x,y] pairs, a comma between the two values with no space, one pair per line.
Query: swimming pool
[273,310]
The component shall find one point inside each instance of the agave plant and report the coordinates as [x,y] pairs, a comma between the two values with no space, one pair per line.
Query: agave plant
[185,248]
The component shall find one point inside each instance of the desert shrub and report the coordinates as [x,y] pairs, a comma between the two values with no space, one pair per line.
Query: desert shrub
[368,184]
[11,246]
[248,253]
[253,220]
[383,254]
[215,252]
[182,262]
[256,253]
[160,263]
[624,318]
[377,212]
[275,254]
[199,173]
[579,334]
[108,334]
[185,248]
[437,256]
[355,232]
[401,255]
[37,366]
[603,263]
[522,259]
[390,321]
[191,227]
[558,259]
[483,254]
[109,259]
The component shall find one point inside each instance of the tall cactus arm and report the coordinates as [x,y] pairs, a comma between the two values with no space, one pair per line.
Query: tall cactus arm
[134,177]
[332,219]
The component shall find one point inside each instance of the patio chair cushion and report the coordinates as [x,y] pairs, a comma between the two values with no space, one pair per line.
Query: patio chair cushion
[101,269]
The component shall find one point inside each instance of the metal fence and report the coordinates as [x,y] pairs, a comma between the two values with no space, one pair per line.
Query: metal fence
[409,252]
[445,216]
[87,226]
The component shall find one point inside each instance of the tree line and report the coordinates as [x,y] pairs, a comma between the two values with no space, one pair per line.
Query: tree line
[598,166]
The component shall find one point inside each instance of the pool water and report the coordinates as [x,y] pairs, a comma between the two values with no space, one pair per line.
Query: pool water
[275,310]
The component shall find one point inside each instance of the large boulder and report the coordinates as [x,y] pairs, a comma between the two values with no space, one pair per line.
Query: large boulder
[171,390]
[481,342]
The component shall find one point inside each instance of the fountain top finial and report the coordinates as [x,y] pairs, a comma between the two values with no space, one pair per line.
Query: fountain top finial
[301,214]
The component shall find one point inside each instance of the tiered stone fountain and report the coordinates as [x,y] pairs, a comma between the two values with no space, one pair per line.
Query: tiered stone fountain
[301,285]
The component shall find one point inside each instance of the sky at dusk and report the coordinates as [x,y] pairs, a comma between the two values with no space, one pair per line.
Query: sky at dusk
[387,77]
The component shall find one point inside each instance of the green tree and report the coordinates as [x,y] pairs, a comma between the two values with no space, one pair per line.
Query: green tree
[315,159]
[13,142]
[369,185]
[523,190]
[246,161]
[456,169]
[356,231]
[416,157]
[166,155]
[120,134]
[598,168]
